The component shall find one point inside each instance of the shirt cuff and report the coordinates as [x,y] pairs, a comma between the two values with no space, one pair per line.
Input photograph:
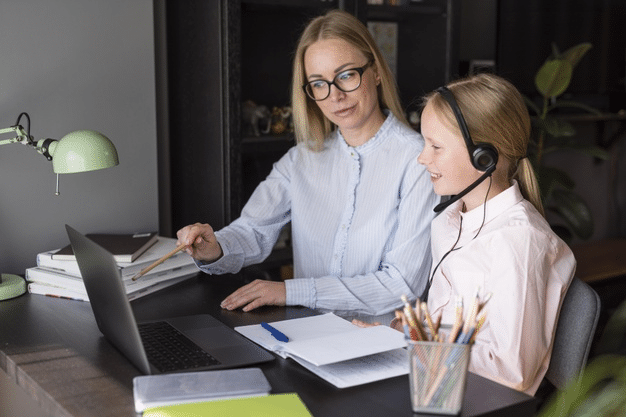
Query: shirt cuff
[228,263]
[300,291]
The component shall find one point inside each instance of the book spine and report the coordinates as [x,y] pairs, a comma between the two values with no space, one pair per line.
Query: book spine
[50,291]
[55,278]
[72,283]
[45,260]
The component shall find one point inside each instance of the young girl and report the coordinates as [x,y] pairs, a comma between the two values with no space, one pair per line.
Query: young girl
[494,238]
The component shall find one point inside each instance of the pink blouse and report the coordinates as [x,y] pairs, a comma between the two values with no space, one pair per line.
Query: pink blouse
[525,266]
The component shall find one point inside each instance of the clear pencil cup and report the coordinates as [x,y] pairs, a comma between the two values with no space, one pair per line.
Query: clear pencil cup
[437,376]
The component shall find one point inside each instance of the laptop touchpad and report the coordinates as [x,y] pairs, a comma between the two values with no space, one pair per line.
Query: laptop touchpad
[214,337]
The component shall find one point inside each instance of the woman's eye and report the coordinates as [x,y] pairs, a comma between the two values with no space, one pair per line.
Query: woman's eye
[345,75]
[318,84]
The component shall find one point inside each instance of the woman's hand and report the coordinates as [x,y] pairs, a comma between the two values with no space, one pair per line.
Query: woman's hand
[256,294]
[395,324]
[364,324]
[200,241]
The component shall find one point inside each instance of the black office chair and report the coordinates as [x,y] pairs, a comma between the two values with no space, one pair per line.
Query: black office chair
[575,332]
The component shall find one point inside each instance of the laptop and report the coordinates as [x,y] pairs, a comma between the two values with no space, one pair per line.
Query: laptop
[206,342]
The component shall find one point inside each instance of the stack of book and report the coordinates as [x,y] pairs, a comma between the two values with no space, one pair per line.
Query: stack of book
[57,273]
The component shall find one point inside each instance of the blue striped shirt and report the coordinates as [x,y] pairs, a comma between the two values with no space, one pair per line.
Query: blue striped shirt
[360,221]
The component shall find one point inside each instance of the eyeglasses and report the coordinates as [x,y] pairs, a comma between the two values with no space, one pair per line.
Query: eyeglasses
[346,81]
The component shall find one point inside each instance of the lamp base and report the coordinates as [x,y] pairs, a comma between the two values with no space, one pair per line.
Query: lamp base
[11,286]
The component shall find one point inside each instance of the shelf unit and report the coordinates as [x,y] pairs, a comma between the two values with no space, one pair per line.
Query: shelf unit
[216,55]
[269,30]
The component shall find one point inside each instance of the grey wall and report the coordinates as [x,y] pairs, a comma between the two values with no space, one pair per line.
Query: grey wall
[76,64]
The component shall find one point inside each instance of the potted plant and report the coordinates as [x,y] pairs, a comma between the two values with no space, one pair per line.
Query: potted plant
[552,134]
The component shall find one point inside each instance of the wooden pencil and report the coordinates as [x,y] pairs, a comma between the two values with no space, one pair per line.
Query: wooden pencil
[158,262]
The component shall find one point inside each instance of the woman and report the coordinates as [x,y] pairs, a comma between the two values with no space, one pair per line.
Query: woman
[494,238]
[359,206]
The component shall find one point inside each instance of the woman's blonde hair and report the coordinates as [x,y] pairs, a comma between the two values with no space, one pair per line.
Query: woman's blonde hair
[495,113]
[310,124]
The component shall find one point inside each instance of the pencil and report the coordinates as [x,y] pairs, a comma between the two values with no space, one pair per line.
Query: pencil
[159,262]
[479,323]
[405,325]
[458,323]
[482,304]
[438,322]
[471,315]
[429,322]
[408,311]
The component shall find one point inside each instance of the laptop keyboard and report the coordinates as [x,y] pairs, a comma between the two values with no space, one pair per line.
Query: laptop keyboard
[169,350]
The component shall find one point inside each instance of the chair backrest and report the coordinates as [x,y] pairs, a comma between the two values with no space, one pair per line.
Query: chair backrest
[575,330]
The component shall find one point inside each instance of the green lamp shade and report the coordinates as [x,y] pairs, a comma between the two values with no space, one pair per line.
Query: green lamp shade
[83,150]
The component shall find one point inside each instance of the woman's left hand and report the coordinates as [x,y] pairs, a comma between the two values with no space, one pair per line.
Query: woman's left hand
[364,324]
[256,294]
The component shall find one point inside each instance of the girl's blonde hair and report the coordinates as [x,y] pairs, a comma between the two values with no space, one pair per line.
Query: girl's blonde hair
[495,113]
[310,124]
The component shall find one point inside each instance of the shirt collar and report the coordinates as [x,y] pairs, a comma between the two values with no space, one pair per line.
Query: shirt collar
[379,138]
[473,219]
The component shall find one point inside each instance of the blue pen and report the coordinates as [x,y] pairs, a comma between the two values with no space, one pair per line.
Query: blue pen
[277,335]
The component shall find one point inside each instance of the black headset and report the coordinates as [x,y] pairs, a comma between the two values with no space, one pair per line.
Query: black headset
[484,156]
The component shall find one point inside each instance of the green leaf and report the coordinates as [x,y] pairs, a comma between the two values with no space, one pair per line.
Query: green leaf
[574,54]
[581,396]
[614,332]
[550,178]
[553,77]
[587,150]
[573,209]
[574,104]
[532,105]
[609,400]
[555,51]
[558,127]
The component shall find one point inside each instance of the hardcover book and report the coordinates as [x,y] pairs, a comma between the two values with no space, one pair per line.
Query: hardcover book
[124,247]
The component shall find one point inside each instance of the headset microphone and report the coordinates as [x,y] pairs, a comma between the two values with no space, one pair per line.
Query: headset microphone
[483,156]
[441,206]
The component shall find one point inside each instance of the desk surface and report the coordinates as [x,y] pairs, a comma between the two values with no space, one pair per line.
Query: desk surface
[52,348]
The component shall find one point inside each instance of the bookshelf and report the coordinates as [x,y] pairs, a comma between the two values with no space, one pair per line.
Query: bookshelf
[221,54]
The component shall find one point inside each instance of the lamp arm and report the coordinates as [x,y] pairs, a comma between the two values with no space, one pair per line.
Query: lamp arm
[43,146]
[21,136]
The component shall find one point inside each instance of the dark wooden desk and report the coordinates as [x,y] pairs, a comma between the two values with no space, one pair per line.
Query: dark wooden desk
[52,348]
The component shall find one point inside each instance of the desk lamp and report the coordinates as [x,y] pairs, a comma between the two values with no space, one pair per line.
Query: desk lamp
[79,151]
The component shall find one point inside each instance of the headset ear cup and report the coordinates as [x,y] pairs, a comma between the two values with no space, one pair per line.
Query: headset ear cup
[484,156]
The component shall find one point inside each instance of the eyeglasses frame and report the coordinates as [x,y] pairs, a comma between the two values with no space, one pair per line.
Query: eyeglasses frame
[360,70]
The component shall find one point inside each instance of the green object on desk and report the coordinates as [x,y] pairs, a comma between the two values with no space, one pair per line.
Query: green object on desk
[275,405]
[11,286]
[79,151]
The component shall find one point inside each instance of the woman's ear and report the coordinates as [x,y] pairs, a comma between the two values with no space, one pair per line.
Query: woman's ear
[376,74]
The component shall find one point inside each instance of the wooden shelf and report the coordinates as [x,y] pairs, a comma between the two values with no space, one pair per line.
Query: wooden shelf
[384,12]
[292,3]
[267,144]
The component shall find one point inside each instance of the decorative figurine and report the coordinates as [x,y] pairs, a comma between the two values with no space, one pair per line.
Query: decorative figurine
[256,119]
